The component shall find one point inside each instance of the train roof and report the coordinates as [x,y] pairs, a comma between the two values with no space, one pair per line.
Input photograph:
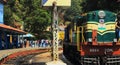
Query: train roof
[97,14]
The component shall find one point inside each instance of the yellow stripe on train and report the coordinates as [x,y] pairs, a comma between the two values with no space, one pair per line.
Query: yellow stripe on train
[102,33]
[108,27]
[95,27]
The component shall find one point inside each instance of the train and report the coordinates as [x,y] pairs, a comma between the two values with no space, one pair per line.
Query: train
[90,39]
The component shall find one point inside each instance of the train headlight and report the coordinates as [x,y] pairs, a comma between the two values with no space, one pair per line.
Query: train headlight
[114,40]
[89,39]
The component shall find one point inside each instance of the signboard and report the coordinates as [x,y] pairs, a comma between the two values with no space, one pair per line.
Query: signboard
[1,13]
[61,35]
[59,2]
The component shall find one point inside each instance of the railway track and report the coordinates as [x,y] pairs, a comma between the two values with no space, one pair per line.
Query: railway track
[24,60]
[16,58]
[29,57]
[40,58]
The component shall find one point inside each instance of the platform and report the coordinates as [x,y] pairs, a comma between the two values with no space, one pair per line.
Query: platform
[59,62]
[7,52]
[62,60]
[39,59]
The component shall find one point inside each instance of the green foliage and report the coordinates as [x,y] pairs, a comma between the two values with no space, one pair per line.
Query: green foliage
[7,15]
[110,5]
[83,6]
[74,10]
[29,13]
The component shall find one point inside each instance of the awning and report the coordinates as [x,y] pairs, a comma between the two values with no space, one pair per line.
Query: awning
[28,35]
[11,30]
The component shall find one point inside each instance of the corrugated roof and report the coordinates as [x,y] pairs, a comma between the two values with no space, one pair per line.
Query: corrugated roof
[12,29]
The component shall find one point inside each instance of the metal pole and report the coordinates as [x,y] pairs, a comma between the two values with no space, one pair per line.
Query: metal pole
[55,32]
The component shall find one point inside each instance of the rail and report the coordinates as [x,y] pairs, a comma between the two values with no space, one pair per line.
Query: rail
[12,53]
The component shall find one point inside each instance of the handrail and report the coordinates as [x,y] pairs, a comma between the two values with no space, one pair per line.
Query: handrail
[78,39]
[80,29]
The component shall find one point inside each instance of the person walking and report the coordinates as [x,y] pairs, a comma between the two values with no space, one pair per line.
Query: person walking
[117,26]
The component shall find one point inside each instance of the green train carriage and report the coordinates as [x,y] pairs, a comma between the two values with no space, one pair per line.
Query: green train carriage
[92,38]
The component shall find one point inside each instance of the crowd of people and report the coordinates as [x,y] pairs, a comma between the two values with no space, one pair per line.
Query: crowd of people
[40,43]
[37,43]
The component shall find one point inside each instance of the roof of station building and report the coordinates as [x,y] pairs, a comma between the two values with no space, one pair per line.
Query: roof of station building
[11,30]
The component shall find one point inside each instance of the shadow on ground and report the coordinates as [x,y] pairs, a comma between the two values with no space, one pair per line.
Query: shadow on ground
[36,63]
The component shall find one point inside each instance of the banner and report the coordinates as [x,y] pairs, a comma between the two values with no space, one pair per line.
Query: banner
[1,13]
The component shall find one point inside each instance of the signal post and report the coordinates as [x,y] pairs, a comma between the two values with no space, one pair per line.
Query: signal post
[54,4]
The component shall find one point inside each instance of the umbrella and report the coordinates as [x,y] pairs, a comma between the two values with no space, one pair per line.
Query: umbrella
[28,35]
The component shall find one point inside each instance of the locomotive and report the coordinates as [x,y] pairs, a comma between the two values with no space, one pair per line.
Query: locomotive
[91,39]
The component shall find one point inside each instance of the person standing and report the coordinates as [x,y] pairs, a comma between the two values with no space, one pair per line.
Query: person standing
[47,43]
[117,25]
[25,41]
[42,42]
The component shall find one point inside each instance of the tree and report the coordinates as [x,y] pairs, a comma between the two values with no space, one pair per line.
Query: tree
[110,5]
[74,10]
[8,18]
[83,6]
[28,13]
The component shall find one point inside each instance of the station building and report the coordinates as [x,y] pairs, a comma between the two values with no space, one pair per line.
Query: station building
[9,36]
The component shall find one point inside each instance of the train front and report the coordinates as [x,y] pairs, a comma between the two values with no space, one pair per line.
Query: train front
[100,46]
